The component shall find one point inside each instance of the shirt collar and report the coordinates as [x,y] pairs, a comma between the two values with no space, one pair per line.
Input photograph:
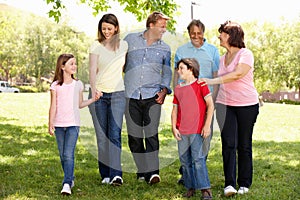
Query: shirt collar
[141,34]
[190,45]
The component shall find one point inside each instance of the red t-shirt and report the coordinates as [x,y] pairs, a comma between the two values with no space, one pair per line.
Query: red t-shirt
[191,107]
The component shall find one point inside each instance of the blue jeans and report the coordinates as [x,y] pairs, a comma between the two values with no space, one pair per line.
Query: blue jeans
[109,110]
[193,162]
[66,138]
[205,145]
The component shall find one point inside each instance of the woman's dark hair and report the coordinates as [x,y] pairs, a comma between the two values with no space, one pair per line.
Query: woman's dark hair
[196,22]
[110,19]
[59,72]
[235,32]
[191,64]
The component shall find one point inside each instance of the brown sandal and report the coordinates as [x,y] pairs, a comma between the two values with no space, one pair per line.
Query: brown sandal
[189,193]
[206,194]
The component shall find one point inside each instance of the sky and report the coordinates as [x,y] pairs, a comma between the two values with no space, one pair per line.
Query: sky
[210,12]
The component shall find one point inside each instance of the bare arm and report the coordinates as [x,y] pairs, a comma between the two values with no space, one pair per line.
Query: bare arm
[206,131]
[175,79]
[93,62]
[240,71]
[84,103]
[52,111]
[176,132]
[216,87]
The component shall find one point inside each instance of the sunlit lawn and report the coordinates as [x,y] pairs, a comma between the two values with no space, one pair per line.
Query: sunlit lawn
[30,166]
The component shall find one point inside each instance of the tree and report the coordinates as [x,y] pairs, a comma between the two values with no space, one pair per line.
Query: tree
[140,8]
[9,42]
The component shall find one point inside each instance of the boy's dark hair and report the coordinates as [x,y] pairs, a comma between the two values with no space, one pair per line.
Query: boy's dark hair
[192,64]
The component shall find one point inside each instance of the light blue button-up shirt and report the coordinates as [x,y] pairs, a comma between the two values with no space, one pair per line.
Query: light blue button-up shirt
[207,55]
[147,68]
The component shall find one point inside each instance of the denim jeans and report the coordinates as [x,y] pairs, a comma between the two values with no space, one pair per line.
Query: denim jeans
[142,119]
[236,125]
[193,162]
[205,145]
[109,111]
[66,138]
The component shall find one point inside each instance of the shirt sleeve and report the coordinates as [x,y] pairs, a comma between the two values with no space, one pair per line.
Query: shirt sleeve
[167,72]
[79,84]
[204,89]
[53,86]
[93,48]
[176,58]
[175,100]
[247,57]
[216,59]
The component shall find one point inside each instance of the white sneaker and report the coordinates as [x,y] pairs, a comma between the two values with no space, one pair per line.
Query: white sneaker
[154,179]
[116,181]
[73,184]
[229,191]
[106,180]
[66,189]
[243,190]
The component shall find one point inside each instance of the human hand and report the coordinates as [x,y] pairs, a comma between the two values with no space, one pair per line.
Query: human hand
[51,130]
[203,81]
[96,96]
[177,134]
[205,131]
[161,95]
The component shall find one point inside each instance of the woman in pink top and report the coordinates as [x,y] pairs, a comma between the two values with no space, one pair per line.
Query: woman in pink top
[236,107]
[64,120]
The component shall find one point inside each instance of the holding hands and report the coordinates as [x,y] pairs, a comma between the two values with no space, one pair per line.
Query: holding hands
[96,95]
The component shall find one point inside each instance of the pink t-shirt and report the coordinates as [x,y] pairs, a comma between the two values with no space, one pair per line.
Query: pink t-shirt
[241,92]
[190,100]
[67,103]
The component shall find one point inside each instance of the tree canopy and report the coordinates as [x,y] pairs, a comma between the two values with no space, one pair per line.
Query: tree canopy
[140,8]
[30,46]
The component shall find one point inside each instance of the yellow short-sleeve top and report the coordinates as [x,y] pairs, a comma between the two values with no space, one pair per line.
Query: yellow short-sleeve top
[110,67]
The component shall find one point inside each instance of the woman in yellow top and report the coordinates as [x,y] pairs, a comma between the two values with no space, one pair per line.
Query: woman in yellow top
[106,59]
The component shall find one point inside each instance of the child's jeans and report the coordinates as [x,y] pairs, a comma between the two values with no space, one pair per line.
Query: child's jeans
[193,161]
[66,138]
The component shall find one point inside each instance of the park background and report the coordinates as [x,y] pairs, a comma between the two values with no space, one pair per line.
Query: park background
[30,43]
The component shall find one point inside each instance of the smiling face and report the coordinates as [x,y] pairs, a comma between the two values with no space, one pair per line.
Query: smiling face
[159,28]
[70,67]
[223,37]
[196,36]
[184,72]
[108,30]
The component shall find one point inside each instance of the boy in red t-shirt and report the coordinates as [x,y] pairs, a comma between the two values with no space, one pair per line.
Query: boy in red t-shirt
[191,118]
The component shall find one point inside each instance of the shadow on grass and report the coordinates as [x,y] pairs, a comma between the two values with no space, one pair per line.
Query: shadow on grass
[30,169]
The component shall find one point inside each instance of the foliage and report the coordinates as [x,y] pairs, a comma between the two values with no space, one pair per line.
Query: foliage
[30,166]
[31,45]
[140,8]
[275,49]
[287,101]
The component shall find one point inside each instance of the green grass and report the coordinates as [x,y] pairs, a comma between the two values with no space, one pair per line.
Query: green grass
[30,166]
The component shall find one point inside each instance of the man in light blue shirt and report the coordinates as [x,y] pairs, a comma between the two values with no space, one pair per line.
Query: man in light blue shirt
[208,57]
[147,81]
